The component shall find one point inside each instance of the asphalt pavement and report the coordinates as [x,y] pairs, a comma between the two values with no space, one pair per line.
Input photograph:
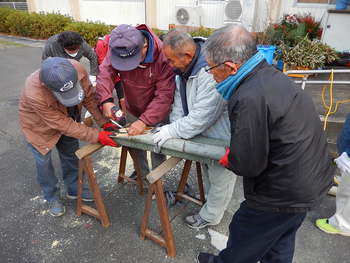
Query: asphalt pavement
[29,234]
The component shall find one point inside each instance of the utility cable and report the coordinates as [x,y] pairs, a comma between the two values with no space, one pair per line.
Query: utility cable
[329,108]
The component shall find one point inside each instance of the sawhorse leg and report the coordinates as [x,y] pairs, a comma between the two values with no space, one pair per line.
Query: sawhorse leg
[85,168]
[156,187]
[122,166]
[183,180]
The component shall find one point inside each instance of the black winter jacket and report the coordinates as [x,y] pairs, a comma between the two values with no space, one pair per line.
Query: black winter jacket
[277,143]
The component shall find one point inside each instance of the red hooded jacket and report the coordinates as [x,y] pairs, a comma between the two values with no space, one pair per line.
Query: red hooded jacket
[148,91]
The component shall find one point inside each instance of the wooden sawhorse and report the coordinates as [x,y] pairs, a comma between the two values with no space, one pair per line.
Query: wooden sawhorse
[122,167]
[85,168]
[156,188]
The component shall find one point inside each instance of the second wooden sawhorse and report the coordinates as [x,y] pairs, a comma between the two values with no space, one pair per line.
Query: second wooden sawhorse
[155,188]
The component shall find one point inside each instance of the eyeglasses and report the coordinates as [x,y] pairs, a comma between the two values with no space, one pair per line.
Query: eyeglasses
[208,69]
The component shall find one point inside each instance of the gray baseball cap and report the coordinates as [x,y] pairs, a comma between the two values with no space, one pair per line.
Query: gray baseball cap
[126,43]
[60,76]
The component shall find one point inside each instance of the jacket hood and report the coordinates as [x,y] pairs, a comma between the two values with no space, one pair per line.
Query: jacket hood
[157,43]
[201,62]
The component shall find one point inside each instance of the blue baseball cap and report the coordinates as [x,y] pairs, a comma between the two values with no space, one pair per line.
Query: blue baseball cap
[60,76]
[126,44]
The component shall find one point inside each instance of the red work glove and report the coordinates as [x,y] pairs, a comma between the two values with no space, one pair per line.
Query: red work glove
[224,159]
[104,139]
[108,126]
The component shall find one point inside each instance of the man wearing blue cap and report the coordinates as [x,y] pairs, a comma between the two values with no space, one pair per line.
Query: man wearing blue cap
[136,56]
[49,112]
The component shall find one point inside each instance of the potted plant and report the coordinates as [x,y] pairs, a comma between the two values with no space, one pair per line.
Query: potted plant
[307,54]
[291,29]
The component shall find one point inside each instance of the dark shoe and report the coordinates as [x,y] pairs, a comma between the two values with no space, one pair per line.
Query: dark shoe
[196,222]
[87,196]
[170,198]
[205,258]
[56,208]
[133,175]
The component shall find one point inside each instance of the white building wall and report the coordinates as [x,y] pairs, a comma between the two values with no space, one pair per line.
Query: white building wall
[113,12]
[271,11]
[316,10]
[257,14]
[165,13]
[50,6]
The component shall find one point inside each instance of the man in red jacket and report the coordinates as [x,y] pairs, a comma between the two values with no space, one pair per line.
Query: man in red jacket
[135,54]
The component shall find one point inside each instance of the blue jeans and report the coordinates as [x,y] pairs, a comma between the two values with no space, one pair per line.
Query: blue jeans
[265,236]
[66,147]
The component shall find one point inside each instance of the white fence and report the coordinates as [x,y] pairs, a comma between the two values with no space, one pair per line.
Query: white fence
[15,5]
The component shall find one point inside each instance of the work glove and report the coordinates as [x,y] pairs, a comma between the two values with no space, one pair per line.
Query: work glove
[343,163]
[108,126]
[160,136]
[104,139]
[224,159]
[92,80]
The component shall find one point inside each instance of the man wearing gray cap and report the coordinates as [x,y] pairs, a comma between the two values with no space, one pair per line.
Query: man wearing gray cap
[135,54]
[49,113]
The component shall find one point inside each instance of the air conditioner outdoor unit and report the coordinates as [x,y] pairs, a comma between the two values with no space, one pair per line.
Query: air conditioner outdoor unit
[232,11]
[188,15]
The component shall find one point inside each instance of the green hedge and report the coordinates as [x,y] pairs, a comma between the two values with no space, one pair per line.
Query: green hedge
[4,13]
[202,32]
[43,26]
[32,24]
[89,31]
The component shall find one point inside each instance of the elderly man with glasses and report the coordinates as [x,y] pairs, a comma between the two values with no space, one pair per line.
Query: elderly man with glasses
[277,146]
[198,109]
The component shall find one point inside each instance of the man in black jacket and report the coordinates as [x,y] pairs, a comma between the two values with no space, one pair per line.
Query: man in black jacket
[71,45]
[277,146]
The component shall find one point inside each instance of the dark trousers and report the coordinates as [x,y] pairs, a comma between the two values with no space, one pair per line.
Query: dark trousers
[66,147]
[255,235]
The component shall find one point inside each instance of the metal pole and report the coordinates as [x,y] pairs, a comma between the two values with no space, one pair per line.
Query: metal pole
[314,71]
[339,82]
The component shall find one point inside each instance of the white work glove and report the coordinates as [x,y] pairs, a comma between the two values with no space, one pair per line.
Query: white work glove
[92,80]
[343,163]
[160,136]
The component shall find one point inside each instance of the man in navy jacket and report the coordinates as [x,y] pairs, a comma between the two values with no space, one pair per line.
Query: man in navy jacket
[277,146]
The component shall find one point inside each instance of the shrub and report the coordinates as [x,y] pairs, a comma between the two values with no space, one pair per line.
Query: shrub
[202,32]
[46,25]
[4,13]
[308,53]
[293,28]
[33,24]
[19,23]
[89,31]
[158,32]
